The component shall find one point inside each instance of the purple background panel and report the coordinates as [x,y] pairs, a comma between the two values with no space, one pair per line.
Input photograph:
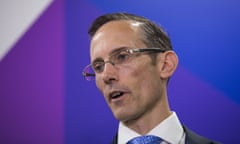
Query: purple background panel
[31,84]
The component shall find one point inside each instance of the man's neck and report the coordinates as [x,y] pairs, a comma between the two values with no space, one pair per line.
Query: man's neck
[147,122]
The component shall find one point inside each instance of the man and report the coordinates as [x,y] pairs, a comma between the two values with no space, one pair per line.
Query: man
[131,61]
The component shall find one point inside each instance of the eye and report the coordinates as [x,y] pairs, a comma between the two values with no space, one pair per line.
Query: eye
[121,57]
[98,67]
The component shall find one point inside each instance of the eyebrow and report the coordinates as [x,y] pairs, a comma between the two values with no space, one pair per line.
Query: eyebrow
[99,59]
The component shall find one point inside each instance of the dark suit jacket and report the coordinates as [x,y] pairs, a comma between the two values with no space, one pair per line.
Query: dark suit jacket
[191,138]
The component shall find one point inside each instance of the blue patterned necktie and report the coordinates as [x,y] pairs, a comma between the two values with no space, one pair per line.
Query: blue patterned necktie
[148,139]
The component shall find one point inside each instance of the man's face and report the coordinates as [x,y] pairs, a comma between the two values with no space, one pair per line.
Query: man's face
[131,90]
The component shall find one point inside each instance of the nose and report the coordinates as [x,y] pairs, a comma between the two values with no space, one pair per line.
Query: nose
[109,73]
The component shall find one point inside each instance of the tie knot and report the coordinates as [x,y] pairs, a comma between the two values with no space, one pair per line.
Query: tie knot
[147,139]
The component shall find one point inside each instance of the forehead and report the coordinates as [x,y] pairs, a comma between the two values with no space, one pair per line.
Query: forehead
[118,25]
[113,35]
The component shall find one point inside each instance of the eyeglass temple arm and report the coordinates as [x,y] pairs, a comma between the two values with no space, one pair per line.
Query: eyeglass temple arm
[87,74]
[149,49]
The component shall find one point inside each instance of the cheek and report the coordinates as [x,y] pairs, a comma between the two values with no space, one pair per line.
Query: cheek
[141,69]
[136,76]
[143,79]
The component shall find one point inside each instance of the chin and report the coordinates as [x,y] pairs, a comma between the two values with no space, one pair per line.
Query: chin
[121,116]
[124,113]
[124,117]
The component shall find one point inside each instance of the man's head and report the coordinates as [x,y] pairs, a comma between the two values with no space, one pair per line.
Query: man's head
[132,84]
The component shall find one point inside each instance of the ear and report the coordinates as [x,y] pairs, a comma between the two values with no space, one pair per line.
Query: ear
[169,62]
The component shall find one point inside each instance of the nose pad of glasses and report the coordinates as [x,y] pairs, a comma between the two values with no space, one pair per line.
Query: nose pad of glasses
[110,63]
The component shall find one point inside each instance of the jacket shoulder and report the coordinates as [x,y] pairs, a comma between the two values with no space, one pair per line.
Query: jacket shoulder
[193,138]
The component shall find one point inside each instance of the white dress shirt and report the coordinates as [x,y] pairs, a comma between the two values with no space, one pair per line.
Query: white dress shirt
[169,130]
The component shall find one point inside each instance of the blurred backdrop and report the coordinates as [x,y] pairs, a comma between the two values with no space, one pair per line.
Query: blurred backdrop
[44,46]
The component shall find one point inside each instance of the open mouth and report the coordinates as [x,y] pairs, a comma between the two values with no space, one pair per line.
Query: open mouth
[115,95]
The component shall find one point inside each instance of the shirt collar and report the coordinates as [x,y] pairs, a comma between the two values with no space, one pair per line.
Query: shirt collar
[170,130]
